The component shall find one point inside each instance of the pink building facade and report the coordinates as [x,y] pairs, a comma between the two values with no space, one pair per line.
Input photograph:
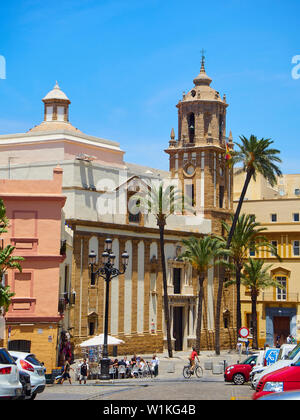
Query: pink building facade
[34,208]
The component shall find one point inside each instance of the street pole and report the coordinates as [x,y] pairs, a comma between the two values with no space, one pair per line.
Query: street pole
[107,272]
[105,359]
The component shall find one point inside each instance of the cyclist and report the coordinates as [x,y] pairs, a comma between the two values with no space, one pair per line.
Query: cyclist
[192,358]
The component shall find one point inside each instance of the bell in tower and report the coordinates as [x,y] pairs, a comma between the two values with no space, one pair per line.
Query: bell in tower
[197,157]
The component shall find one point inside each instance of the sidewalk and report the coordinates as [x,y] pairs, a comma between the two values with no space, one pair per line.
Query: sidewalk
[171,368]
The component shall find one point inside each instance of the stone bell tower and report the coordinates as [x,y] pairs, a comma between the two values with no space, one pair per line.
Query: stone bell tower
[197,157]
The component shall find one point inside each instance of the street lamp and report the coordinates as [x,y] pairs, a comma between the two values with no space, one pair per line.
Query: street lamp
[107,272]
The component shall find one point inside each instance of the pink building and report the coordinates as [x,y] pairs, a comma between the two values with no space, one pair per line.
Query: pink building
[34,209]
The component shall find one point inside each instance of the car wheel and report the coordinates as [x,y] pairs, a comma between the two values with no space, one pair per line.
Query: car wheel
[239,379]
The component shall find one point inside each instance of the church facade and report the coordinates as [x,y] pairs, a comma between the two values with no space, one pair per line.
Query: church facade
[99,187]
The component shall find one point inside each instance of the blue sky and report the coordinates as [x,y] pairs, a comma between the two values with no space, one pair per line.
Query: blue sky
[124,65]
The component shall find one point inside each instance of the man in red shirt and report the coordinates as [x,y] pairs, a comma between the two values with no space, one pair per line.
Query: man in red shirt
[192,357]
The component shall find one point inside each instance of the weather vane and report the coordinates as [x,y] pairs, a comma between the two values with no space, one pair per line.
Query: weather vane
[203,56]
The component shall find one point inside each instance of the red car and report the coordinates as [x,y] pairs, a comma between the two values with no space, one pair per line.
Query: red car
[239,373]
[285,379]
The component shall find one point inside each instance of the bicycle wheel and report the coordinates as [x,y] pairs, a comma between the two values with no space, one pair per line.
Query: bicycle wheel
[186,372]
[199,372]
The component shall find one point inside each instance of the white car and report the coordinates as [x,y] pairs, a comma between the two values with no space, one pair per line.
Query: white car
[10,385]
[285,349]
[28,363]
[291,358]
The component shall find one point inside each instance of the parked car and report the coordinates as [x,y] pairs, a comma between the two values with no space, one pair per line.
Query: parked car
[26,385]
[28,362]
[10,385]
[283,353]
[284,379]
[291,358]
[281,396]
[239,373]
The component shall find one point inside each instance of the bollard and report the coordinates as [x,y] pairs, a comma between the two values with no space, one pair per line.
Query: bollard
[171,368]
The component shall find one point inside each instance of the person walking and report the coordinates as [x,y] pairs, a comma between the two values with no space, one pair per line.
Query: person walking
[247,344]
[155,364]
[84,369]
[66,372]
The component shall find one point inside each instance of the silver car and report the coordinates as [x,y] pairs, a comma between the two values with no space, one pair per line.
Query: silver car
[28,363]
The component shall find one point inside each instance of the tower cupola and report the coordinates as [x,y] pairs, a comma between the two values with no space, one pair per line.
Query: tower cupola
[56,105]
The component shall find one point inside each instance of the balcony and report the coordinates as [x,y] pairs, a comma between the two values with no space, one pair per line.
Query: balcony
[286,298]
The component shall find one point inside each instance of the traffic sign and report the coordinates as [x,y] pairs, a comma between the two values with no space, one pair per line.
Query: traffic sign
[244,332]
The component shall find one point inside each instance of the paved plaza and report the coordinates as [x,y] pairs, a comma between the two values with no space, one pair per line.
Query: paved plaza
[169,385]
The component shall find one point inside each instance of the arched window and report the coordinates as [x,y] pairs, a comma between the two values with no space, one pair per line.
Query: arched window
[191,126]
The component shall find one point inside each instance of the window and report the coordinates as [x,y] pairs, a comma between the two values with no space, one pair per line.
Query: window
[281,292]
[296,217]
[91,328]
[296,248]
[252,249]
[191,127]
[49,113]
[275,244]
[273,217]
[297,191]
[60,113]
[221,196]
[177,281]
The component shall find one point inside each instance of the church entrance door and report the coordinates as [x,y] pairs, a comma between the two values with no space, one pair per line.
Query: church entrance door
[178,327]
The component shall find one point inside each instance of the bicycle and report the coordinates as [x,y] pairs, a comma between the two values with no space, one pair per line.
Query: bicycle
[188,371]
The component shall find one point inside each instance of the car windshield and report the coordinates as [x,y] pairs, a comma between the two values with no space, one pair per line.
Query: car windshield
[33,360]
[5,358]
[249,360]
[294,352]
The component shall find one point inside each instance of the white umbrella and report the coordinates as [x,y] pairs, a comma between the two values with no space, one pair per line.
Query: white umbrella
[98,340]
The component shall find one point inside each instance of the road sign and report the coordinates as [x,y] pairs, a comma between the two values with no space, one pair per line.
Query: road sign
[244,332]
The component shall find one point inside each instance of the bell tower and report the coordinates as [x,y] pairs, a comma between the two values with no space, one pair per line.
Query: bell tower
[198,156]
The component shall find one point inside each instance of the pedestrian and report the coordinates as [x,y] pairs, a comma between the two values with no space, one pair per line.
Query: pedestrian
[154,364]
[84,369]
[278,341]
[247,344]
[239,347]
[66,372]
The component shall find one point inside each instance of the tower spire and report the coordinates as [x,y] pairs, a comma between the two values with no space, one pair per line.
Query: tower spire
[202,70]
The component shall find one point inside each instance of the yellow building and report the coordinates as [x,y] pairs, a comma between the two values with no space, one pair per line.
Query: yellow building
[277,209]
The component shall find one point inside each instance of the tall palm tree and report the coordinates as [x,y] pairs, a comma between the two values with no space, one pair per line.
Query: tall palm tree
[256,277]
[201,253]
[257,157]
[162,202]
[247,236]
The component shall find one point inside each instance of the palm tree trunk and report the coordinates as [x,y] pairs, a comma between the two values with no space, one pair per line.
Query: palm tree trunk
[254,319]
[238,299]
[229,239]
[239,207]
[161,225]
[199,317]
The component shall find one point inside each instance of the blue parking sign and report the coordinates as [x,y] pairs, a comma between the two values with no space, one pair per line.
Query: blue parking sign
[272,356]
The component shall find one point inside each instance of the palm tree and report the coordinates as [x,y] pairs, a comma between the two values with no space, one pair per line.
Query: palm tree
[162,202]
[201,253]
[247,236]
[257,157]
[256,277]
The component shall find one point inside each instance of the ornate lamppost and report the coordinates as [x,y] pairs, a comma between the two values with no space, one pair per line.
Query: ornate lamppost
[107,272]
